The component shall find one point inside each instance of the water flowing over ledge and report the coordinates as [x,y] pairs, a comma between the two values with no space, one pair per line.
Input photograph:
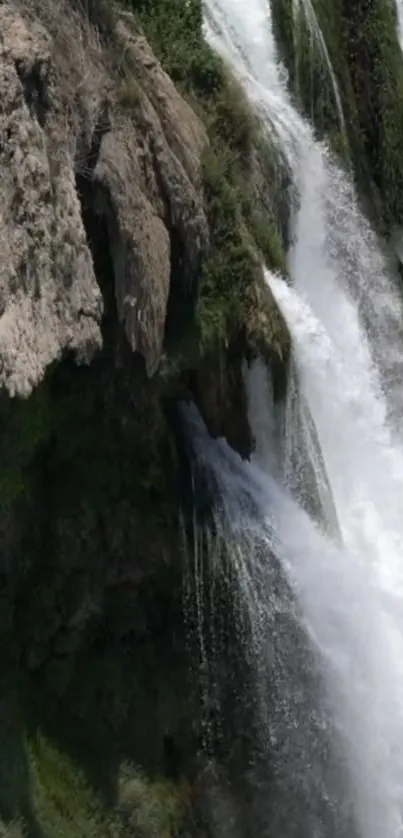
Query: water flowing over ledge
[345,314]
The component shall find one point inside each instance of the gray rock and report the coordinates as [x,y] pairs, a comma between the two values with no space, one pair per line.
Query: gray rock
[49,298]
[64,116]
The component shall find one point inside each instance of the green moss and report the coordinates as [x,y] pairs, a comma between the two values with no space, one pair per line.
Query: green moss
[90,457]
[307,58]
[243,229]
[94,572]
[90,471]
[376,67]
[232,271]
[62,804]
[174,29]
[11,830]
[362,44]
[231,119]
[269,241]
[238,229]
[228,269]
[149,809]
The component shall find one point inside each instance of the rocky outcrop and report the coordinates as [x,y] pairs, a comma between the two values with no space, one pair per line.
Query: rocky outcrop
[49,298]
[72,136]
[147,181]
[132,229]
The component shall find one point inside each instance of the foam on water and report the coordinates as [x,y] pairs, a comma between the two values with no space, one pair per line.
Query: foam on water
[345,316]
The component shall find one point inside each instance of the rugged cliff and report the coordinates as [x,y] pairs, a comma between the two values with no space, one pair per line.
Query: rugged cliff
[139,193]
[133,215]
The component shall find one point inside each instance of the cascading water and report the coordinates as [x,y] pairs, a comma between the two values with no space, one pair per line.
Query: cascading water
[324,618]
[305,8]
[290,430]
[334,243]
[328,685]
[364,465]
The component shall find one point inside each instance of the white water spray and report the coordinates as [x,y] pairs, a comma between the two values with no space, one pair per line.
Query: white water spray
[355,640]
[345,317]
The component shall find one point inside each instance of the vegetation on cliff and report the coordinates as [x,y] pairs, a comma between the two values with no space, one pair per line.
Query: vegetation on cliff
[239,226]
[358,42]
[175,199]
[99,717]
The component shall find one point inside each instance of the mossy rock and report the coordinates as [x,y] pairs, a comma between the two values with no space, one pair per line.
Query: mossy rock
[361,41]
[303,35]
[62,804]
[14,829]
[92,487]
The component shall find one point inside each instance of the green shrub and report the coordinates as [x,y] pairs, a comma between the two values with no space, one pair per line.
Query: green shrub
[237,230]
[362,44]
[148,809]
[64,806]
[174,29]
[14,829]
[233,119]
[94,443]
[229,267]
[268,240]
[228,303]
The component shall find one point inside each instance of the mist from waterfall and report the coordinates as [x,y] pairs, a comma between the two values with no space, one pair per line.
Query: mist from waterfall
[314,524]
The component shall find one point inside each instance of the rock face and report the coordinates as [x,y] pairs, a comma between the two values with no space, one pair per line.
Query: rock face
[74,143]
[147,182]
[125,240]
[49,298]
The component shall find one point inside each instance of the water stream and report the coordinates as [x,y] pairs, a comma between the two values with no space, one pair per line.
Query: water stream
[328,641]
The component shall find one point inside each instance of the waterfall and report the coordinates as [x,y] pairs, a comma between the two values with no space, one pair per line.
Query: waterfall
[328,660]
[334,242]
[293,433]
[305,9]
[364,463]
[318,605]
